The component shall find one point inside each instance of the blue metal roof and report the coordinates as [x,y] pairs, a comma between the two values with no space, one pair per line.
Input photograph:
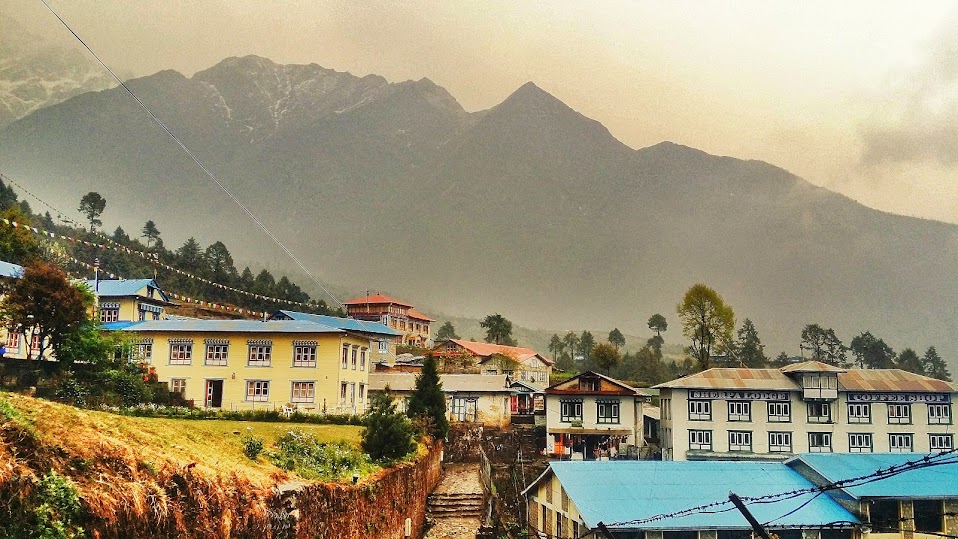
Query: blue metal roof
[347,324]
[116,326]
[938,481]
[10,270]
[230,326]
[620,491]
[106,288]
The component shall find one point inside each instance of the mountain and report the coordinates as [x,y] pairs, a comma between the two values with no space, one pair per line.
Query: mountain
[529,208]
[35,73]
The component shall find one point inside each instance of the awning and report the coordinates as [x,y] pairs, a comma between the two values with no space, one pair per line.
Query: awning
[600,432]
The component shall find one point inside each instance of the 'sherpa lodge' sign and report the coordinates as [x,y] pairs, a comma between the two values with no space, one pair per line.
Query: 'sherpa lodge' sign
[933,398]
[726,395]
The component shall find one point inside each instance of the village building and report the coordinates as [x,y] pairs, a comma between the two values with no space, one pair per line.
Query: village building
[772,414]
[517,362]
[398,315]
[593,416]
[527,403]
[128,300]
[386,339]
[250,364]
[470,398]
[919,501]
[656,500]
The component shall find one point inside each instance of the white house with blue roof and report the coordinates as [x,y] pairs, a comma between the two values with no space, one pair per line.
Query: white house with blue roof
[129,300]
[679,500]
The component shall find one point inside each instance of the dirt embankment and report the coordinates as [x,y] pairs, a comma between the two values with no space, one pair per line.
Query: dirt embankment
[108,476]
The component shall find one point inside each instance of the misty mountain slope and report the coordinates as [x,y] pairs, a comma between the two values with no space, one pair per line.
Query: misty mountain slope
[529,208]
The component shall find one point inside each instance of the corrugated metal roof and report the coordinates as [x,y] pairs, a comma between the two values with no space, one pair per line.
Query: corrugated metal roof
[771,379]
[653,412]
[348,324]
[939,481]
[8,269]
[620,491]
[418,315]
[106,288]
[451,383]
[376,299]
[486,350]
[811,366]
[230,326]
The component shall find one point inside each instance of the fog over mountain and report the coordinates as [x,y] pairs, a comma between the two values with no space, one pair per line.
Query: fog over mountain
[529,208]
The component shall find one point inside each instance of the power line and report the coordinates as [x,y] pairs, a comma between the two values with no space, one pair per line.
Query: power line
[196,160]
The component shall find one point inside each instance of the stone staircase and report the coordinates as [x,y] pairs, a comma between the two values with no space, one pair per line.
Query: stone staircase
[455,505]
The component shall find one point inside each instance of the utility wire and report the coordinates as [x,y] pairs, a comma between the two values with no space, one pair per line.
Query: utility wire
[196,160]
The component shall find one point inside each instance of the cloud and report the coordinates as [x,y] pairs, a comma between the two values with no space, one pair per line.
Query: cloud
[917,122]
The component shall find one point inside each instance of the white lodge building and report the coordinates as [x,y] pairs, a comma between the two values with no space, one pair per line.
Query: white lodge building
[810,407]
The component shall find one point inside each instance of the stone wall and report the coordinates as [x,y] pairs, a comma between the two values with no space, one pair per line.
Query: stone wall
[464,442]
[378,507]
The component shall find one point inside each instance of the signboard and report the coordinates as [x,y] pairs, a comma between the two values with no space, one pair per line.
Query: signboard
[932,398]
[731,395]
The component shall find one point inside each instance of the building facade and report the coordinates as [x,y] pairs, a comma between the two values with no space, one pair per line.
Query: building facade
[248,364]
[517,362]
[592,416]
[810,407]
[414,326]
[470,398]
[128,300]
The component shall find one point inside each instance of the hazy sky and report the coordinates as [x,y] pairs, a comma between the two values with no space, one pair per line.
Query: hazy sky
[861,97]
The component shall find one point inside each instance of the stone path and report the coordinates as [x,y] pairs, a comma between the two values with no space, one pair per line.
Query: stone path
[455,506]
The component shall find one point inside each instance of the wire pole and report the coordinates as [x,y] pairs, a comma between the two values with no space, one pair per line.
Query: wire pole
[759,529]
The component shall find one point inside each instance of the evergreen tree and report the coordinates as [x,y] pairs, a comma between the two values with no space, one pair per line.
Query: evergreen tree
[498,329]
[92,205]
[934,366]
[658,324]
[8,197]
[189,257]
[48,221]
[605,356]
[151,233]
[872,352]
[908,360]
[388,435]
[428,401]
[586,344]
[120,236]
[616,338]
[749,347]
[447,331]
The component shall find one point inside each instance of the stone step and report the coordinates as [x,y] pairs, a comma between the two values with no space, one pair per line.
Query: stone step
[457,496]
[461,514]
[457,507]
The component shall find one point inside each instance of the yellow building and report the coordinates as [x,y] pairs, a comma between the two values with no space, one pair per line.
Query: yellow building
[128,300]
[251,365]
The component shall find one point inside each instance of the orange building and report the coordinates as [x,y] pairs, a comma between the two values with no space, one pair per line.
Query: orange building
[395,314]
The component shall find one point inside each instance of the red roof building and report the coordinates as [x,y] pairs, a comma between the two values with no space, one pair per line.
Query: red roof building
[395,314]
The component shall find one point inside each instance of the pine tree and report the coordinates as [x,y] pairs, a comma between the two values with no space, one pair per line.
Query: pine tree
[934,366]
[388,435]
[427,400]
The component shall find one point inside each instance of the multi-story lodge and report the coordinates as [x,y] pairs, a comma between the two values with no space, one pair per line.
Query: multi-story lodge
[808,407]
[520,363]
[129,300]
[395,314]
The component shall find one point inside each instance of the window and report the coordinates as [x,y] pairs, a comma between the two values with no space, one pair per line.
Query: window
[700,410]
[304,392]
[899,414]
[941,442]
[860,443]
[884,515]
[859,413]
[666,407]
[257,390]
[383,346]
[35,342]
[780,442]
[900,443]
[178,385]
[144,352]
[739,411]
[819,412]
[570,410]
[700,439]
[181,353]
[260,354]
[779,412]
[216,354]
[939,414]
[354,354]
[928,515]
[362,392]
[739,440]
[819,442]
[362,358]
[109,315]
[304,355]
[343,388]
[588,384]
[820,381]
[345,356]
[13,340]
[607,411]
[352,392]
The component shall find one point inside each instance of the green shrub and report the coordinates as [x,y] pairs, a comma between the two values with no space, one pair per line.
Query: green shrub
[302,452]
[51,511]
[252,446]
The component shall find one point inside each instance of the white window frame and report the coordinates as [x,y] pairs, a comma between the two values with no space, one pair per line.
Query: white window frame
[700,410]
[304,355]
[383,346]
[144,352]
[700,440]
[939,414]
[345,362]
[13,340]
[570,410]
[217,354]
[303,392]
[819,442]
[181,353]
[111,314]
[779,412]
[362,358]
[343,390]
[897,443]
[178,385]
[257,391]
[259,355]
[941,442]
[859,413]
[740,411]
[740,440]
[861,442]
[779,442]
[899,413]
[821,407]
